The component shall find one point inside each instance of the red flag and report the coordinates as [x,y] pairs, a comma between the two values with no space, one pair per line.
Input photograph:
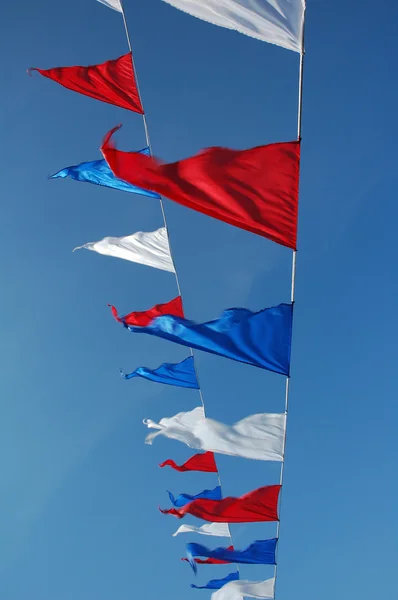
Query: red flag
[113,82]
[255,189]
[256,506]
[143,318]
[198,462]
[211,561]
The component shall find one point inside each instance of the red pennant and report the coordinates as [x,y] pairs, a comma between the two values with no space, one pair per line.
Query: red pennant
[211,561]
[254,507]
[199,462]
[255,189]
[143,318]
[113,82]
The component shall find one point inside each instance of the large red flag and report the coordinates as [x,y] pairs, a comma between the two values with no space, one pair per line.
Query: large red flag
[143,318]
[255,189]
[198,462]
[256,506]
[113,82]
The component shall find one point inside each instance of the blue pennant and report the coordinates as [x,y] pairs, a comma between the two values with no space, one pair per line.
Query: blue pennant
[216,584]
[184,499]
[179,374]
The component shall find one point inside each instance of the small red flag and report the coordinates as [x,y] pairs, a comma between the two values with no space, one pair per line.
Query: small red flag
[210,561]
[255,189]
[256,506]
[112,81]
[198,462]
[143,318]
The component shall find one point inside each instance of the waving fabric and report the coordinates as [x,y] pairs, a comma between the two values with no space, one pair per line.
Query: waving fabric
[213,529]
[184,499]
[238,590]
[115,4]
[261,552]
[180,374]
[254,507]
[143,318]
[112,81]
[259,437]
[216,584]
[255,189]
[261,339]
[208,561]
[278,22]
[99,173]
[198,462]
[146,248]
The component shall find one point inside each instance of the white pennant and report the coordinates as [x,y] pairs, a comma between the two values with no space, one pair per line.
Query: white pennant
[115,4]
[277,22]
[147,248]
[259,436]
[237,590]
[216,529]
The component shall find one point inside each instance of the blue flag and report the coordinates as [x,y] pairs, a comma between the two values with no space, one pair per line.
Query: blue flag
[179,374]
[184,499]
[216,584]
[261,552]
[261,339]
[98,172]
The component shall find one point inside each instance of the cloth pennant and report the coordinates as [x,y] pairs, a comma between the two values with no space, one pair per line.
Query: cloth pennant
[238,590]
[255,189]
[213,529]
[198,462]
[216,584]
[180,374]
[277,22]
[209,561]
[261,339]
[112,82]
[259,437]
[146,248]
[255,507]
[115,4]
[99,173]
[261,552]
[143,318]
[184,499]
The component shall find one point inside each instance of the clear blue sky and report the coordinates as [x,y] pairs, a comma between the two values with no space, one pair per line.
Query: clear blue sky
[79,489]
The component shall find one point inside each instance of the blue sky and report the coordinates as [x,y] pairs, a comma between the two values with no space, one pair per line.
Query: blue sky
[79,489]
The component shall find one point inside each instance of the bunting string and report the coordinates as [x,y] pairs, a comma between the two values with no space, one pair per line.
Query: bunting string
[149,145]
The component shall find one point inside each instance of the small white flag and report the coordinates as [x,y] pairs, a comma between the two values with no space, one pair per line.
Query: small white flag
[237,590]
[115,4]
[277,22]
[216,529]
[259,436]
[147,248]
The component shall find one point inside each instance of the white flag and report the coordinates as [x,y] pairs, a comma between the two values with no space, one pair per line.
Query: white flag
[259,436]
[278,22]
[216,529]
[237,590]
[115,4]
[151,249]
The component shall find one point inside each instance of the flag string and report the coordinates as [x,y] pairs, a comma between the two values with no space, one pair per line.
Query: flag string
[148,143]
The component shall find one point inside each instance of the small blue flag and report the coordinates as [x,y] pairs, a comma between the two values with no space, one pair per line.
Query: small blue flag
[179,374]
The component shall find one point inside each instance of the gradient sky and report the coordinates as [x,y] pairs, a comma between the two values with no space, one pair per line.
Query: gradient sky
[80,491]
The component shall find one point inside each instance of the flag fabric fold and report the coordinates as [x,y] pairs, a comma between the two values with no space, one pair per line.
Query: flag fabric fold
[255,507]
[180,374]
[216,584]
[146,248]
[213,529]
[112,82]
[259,437]
[198,462]
[114,4]
[261,339]
[260,552]
[255,189]
[278,22]
[208,561]
[99,173]
[238,590]
[184,499]
[143,318]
